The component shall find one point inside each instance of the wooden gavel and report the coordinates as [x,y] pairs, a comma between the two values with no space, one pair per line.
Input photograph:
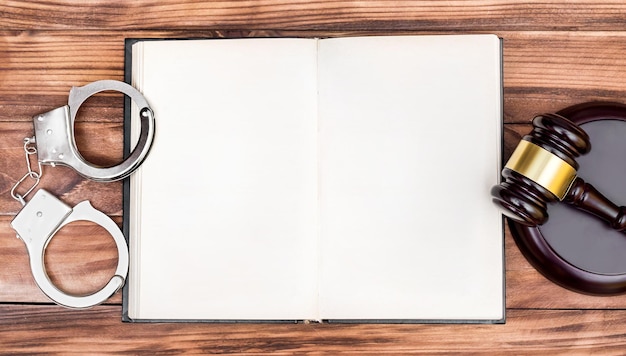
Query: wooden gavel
[542,169]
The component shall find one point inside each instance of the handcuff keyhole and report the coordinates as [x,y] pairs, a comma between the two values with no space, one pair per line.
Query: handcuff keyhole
[81,258]
[39,214]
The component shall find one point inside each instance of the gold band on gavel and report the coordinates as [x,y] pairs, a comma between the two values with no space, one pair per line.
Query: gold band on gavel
[542,167]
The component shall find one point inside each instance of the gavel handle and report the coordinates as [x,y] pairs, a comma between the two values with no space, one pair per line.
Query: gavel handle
[586,197]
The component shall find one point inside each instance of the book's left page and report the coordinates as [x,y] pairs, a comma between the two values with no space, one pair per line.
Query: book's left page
[223,214]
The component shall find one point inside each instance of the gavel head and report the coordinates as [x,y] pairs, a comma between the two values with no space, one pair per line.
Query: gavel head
[541,169]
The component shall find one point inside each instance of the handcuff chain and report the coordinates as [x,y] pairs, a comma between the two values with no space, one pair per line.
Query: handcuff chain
[29,150]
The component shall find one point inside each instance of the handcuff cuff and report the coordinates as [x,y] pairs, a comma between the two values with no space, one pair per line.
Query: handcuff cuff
[44,215]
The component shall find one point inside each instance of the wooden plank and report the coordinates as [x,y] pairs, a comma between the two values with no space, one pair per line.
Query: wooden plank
[543,71]
[321,14]
[40,68]
[37,329]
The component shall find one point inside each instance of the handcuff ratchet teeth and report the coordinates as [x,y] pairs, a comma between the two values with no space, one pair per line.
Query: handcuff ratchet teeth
[44,215]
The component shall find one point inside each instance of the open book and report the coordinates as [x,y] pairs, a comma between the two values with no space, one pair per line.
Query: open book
[337,179]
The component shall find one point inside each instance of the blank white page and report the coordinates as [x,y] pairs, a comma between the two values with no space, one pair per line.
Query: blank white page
[409,149]
[226,200]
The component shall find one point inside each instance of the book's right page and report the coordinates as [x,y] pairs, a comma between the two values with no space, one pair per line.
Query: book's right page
[410,137]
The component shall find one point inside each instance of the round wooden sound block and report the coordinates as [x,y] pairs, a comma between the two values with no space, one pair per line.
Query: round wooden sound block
[574,249]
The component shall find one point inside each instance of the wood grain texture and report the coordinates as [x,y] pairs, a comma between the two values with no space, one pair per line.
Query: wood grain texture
[543,71]
[321,14]
[37,329]
[556,54]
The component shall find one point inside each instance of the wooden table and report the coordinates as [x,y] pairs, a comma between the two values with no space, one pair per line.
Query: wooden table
[556,54]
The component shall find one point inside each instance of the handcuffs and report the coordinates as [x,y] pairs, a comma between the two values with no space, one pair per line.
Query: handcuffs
[44,215]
